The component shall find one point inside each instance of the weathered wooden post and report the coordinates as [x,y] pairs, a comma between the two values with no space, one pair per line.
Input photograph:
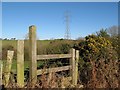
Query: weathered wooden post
[72,61]
[76,66]
[32,55]
[20,63]
[8,65]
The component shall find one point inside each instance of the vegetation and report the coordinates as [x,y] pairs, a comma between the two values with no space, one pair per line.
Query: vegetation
[43,47]
[99,63]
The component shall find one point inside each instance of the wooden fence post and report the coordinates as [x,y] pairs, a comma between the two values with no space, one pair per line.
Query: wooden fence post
[32,55]
[8,65]
[76,66]
[73,66]
[20,63]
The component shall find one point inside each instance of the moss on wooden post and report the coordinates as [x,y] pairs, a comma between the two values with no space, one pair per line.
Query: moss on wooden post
[32,55]
[20,63]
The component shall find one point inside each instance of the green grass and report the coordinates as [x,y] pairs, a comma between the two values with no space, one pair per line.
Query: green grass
[26,65]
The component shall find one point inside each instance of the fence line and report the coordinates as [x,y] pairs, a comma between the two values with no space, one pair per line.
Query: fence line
[73,56]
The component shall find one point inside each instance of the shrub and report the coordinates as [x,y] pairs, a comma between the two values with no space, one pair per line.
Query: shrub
[58,48]
[100,60]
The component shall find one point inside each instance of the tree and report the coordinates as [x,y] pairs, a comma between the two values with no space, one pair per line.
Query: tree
[113,31]
[114,38]
[103,33]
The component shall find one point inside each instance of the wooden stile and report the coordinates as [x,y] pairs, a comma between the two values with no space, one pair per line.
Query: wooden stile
[33,57]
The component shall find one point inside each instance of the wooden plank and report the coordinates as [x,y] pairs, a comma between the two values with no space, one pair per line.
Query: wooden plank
[53,56]
[32,55]
[73,65]
[20,63]
[76,67]
[50,70]
[8,65]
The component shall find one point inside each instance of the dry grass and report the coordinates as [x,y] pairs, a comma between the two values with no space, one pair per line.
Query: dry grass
[51,80]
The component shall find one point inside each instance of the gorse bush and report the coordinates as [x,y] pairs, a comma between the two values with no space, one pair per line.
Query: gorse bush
[96,47]
[100,62]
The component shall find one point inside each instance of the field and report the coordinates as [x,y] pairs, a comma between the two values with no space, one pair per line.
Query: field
[13,43]
[43,47]
[41,44]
